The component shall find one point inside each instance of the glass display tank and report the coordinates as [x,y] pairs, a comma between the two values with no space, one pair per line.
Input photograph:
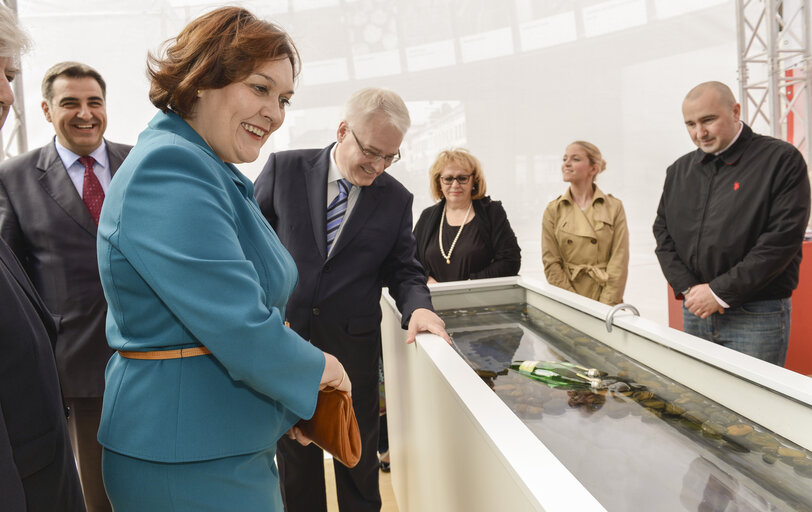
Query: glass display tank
[677,424]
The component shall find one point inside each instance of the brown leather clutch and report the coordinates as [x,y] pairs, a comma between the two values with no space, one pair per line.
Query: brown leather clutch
[334,428]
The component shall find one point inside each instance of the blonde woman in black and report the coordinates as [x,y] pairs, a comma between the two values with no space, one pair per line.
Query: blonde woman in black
[466,235]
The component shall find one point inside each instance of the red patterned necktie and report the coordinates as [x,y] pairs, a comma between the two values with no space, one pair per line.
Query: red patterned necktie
[92,193]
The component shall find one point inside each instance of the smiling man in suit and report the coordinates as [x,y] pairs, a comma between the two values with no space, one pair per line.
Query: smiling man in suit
[50,200]
[348,226]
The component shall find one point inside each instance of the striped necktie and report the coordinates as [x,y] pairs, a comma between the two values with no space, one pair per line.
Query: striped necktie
[336,211]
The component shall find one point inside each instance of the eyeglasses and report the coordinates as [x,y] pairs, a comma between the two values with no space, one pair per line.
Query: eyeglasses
[375,157]
[462,179]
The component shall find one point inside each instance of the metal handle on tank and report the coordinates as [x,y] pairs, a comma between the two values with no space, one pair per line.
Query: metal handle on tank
[611,314]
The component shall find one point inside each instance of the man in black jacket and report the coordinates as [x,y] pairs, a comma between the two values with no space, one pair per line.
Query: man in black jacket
[37,470]
[730,225]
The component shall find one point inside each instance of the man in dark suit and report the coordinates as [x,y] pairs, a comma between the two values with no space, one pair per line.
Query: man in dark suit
[348,225]
[50,199]
[37,471]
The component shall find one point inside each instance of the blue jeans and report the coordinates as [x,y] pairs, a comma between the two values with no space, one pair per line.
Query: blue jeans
[759,328]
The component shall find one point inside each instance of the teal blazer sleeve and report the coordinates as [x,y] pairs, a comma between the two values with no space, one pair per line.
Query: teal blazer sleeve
[187,259]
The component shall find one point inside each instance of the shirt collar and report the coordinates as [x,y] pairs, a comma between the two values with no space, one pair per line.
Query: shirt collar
[597,194]
[333,173]
[738,134]
[69,158]
[732,153]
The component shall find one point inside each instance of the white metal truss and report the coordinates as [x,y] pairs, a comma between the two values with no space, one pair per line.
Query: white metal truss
[17,142]
[774,69]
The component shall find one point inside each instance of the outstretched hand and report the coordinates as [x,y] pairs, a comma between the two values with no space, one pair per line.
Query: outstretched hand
[425,320]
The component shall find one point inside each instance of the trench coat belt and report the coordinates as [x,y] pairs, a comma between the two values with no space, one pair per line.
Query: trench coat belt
[165,354]
[596,272]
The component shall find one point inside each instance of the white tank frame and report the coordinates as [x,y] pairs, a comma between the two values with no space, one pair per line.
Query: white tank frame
[456,446]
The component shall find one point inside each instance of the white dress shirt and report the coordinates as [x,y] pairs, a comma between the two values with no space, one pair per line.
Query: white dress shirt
[76,171]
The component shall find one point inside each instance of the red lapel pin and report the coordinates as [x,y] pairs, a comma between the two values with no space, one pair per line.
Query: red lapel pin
[736,186]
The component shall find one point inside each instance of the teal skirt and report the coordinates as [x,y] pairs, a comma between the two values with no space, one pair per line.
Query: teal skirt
[246,483]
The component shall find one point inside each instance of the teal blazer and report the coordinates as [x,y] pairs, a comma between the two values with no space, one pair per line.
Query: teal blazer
[187,259]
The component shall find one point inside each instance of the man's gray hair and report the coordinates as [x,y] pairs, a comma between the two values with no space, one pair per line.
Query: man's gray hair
[13,40]
[371,100]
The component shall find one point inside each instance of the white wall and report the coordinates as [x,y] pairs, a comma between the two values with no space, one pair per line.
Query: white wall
[514,81]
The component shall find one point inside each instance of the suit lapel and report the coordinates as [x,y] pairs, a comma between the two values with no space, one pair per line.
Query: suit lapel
[116,154]
[362,210]
[58,185]
[316,187]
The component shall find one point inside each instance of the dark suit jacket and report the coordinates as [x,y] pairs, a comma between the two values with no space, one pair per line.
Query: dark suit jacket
[336,304]
[46,224]
[37,471]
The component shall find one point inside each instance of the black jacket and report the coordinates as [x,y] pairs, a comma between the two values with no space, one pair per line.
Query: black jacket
[505,254]
[336,304]
[737,221]
[37,469]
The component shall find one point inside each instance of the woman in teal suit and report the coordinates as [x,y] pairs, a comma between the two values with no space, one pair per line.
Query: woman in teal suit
[207,376]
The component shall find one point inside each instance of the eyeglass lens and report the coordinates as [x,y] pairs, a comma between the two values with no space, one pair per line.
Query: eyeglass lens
[375,156]
[461,179]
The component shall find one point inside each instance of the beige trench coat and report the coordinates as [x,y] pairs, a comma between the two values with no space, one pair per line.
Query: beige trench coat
[586,252]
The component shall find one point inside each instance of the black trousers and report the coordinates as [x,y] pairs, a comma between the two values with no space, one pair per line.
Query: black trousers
[83,425]
[301,468]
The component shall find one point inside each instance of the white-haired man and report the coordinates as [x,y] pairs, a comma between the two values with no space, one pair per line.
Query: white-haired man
[348,226]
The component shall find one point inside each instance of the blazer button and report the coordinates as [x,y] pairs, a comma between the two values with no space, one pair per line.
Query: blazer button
[327,268]
[316,311]
[593,241]
[569,241]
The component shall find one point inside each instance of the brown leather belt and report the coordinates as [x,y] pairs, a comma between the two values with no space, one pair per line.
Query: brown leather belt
[165,354]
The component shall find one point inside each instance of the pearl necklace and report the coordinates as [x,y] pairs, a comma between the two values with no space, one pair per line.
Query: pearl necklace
[459,232]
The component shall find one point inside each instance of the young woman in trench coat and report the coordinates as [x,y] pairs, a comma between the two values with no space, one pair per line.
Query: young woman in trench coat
[584,240]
